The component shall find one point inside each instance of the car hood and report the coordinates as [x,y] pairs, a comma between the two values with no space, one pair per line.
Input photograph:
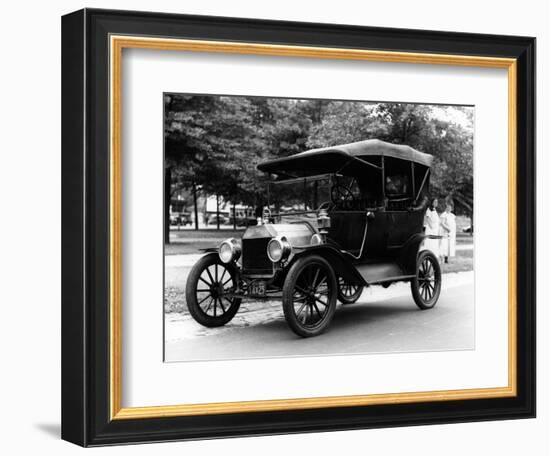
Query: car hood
[298,234]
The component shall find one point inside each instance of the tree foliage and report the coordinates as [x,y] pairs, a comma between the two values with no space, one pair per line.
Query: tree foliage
[217,141]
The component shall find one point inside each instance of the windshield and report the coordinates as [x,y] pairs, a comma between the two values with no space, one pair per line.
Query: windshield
[396,186]
[293,196]
[301,197]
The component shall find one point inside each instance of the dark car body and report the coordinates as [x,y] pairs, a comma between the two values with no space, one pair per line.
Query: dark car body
[371,238]
[369,231]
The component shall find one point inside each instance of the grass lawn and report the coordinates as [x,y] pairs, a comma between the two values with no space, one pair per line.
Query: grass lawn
[462,238]
[463,261]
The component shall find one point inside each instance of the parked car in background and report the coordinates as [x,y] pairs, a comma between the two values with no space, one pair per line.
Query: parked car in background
[243,221]
[181,219]
[212,219]
[242,215]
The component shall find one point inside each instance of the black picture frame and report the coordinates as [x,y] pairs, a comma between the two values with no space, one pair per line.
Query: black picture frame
[85,227]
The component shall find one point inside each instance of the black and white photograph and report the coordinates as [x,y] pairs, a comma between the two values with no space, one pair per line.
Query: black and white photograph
[274,228]
[315,227]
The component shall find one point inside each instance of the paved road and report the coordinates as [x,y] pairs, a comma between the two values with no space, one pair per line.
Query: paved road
[381,321]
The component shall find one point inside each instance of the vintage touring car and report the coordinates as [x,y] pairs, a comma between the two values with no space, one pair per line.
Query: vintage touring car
[339,219]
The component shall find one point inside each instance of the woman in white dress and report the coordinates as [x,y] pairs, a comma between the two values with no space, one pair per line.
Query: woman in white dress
[448,231]
[432,227]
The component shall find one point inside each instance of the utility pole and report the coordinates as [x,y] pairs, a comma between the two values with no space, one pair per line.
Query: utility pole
[195,205]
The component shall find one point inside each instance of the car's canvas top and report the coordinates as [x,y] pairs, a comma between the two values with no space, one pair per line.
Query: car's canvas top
[330,159]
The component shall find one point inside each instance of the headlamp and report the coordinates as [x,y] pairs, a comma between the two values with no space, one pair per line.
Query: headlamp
[229,250]
[278,249]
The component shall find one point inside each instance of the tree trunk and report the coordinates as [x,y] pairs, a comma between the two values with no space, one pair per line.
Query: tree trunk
[258,209]
[195,205]
[167,194]
[217,211]
[234,218]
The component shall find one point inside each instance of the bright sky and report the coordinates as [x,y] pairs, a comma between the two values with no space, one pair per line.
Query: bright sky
[455,114]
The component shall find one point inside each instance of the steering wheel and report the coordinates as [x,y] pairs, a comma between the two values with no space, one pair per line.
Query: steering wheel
[325,205]
[342,196]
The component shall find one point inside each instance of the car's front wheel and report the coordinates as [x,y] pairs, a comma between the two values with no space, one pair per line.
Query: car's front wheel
[309,296]
[209,291]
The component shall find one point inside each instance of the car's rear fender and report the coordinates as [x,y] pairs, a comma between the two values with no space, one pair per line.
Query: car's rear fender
[409,252]
[342,266]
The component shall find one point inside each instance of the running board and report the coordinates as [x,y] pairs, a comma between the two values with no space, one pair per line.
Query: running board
[382,272]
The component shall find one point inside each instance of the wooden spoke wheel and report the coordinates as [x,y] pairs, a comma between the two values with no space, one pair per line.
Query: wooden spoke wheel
[426,285]
[348,293]
[309,296]
[209,291]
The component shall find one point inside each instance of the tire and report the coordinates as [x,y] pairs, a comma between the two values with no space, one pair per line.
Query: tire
[348,293]
[206,284]
[426,285]
[309,296]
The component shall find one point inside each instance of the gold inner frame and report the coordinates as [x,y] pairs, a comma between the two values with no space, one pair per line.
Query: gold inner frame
[117,44]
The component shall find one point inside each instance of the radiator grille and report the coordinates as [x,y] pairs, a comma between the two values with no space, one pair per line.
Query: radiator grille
[255,259]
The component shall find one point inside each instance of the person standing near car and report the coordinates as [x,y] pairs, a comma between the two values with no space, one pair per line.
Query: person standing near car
[432,227]
[448,231]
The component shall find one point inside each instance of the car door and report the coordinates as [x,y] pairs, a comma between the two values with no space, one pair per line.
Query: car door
[401,226]
[347,229]
[377,235]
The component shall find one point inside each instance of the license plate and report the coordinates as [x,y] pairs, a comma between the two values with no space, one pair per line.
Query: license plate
[257,288]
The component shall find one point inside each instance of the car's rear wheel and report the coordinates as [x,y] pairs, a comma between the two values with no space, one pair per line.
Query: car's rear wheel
[348,293]
[309,296]
[208,291]
[426,285]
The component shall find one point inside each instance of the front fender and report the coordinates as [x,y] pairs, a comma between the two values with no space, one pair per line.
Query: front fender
[209,250]
[341,264]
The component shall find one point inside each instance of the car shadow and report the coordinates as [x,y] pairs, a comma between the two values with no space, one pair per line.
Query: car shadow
[374,310]
[349,316]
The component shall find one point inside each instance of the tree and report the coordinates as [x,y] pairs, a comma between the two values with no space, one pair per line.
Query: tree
[453,171]
[281,129]
[202,136]
[345,122]
[186,123]
[405,123]
[415,125]
[450,144]
[217,141]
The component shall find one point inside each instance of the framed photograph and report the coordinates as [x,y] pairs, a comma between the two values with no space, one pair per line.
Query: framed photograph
[277,227]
